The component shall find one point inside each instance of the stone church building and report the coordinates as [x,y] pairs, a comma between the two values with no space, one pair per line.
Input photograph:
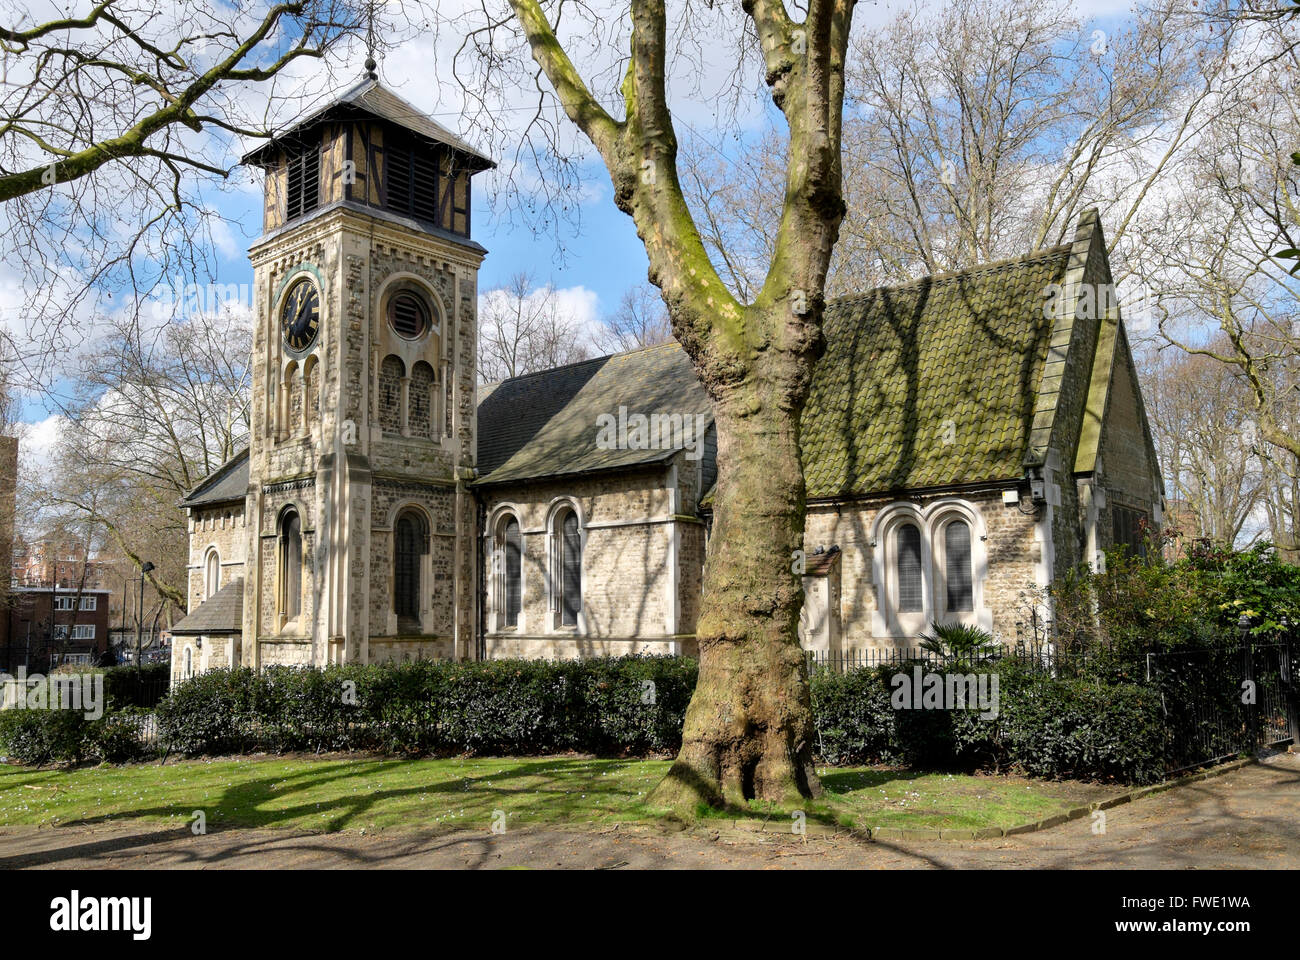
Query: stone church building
[969,438]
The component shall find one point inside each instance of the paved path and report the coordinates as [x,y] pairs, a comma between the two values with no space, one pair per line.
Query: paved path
[1249,818]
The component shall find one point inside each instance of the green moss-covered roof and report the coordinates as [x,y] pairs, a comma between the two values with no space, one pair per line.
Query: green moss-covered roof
[932,383]
[928,384]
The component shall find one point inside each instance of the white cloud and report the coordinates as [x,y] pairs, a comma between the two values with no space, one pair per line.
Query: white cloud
[36,443]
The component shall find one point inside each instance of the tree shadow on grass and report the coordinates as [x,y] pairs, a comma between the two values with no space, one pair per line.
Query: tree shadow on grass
[545,790]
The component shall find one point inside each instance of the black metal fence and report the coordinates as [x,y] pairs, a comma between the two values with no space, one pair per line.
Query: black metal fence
[1225,702]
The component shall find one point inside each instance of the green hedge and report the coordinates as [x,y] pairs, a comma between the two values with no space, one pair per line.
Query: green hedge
[37,737]
[128,687]
[627,705]
[614,706]
[1047,727]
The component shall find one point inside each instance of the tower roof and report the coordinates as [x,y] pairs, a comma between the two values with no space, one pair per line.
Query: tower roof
[371,98]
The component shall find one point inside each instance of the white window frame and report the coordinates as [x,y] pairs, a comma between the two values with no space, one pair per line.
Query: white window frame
[83,631]
[90,603]
[555,567]
[497,571]
[211,584]
[63,603]
[887,621]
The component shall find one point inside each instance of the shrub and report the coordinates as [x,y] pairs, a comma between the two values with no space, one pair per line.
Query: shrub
[117,737]
[632,705]
[1086,730]
[1046,726]
[36,737]
[125,687]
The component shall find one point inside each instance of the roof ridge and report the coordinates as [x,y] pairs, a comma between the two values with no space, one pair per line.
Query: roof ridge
[578,363]
[949,275]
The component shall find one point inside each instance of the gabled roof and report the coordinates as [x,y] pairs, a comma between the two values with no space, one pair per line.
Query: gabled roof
[223,612]
[228,483]
[373,98]
[931,383]
[545,424]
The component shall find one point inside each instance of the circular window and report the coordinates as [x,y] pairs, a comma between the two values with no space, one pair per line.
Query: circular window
[409,315]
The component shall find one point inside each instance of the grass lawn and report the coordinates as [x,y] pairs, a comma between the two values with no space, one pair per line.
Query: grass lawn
[362,792]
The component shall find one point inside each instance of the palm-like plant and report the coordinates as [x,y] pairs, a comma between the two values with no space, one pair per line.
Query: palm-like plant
[959,644]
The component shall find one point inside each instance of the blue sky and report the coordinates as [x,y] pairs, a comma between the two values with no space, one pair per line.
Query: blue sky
[601,255]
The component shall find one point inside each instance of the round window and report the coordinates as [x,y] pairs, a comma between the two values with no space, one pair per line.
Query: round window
[409,315]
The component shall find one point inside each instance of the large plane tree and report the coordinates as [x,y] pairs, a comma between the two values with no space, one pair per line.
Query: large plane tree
[748,731]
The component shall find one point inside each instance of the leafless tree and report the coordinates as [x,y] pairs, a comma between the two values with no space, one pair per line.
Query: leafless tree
[117,125]
[524,328]
[639,321]
[1200,416]
[748,731]
[980,131]
[1232,209]
[152,418]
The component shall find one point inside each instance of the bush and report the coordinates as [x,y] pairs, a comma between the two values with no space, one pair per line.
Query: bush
[117,737]
[627,705]
[125,687]
[1048,727]
[1087,730]
[36,737]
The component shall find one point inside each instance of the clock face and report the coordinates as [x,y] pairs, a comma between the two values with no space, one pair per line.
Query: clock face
[300,318]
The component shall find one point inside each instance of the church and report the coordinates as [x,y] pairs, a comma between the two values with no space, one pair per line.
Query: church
[968,439]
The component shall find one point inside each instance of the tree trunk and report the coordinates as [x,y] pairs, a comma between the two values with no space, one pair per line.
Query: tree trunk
[749,731]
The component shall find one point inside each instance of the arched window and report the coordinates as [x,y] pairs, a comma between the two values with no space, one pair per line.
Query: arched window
[512,571]
[907,554]
[408,547]
[930,566]
[959,587]
[290,564]
[570,538]
[189,664]
[211,574]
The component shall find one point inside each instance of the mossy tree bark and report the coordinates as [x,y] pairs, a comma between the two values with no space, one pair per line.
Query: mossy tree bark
[748,729]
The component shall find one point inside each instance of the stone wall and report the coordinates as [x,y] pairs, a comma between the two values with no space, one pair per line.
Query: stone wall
[640,567]
[220,527]
[1009,555]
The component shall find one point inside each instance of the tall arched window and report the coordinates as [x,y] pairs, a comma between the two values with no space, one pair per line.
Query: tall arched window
[958,581]
[290,564]
[408,547]
[211,574]
[569,539]
[911,596]
[512,571]
[188,670]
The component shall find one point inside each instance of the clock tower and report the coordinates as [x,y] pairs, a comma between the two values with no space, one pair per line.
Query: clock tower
[360,527]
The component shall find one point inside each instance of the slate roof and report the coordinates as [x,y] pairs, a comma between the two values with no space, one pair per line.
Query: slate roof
[545,424]
[227,483]
[372,97]
[931,383]
[223,612]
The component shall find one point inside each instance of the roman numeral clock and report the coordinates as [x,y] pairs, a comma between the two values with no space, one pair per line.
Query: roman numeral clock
[300,315]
